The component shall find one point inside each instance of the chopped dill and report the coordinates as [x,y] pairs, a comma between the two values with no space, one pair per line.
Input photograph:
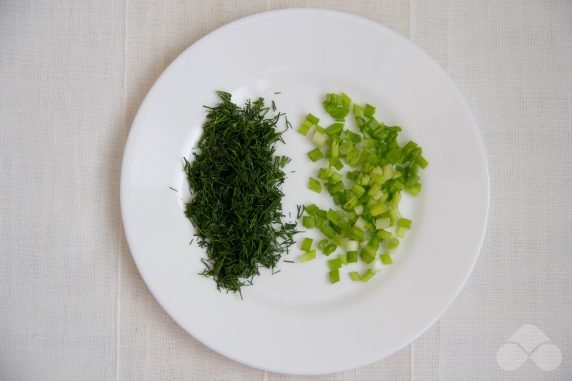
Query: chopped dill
[300,211]
[173,189]
[288,261]
[273,106]
[236,205]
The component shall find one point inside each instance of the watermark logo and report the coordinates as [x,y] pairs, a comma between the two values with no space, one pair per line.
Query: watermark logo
[529,342]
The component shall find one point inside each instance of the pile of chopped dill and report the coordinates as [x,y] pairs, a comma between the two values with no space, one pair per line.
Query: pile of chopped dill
[236,205]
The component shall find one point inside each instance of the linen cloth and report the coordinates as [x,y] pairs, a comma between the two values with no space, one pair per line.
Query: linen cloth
[72,75]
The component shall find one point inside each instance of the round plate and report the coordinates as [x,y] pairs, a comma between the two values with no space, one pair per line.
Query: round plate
[294,321]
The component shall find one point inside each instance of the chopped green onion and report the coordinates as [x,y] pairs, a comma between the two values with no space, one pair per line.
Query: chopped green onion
[352,256]
[329,249]
[421,161]
[377,210]
[319,138]
[404,222]
[309,222]
[334,276]
[312,119]
[356,234]
[355,276]
[392,243]
[358,190]
[367,275]
[308,256]
[380,169]
[304,127]
[386,259]
[314,185]
[338,106]
[335,263]
[335,129]
[311,209]
[368,254]
[328,231]
[384,235]
[315,154]
[323,173]
[351,245]
[382,223]
[306,244]
[368,110]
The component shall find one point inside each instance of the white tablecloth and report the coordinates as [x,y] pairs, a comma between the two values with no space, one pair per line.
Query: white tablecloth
[72,75]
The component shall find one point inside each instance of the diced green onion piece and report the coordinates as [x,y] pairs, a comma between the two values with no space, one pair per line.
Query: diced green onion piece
[358,110]
[356,234]
[345,147]
[337,163]
[359,209]
[377,210]
[382,223]
[351,203]
[337,187]
[337,105]
[308,256]
[386,259]
[374,189]
[334,217]
[350,245]
[311,209]
[352,256]
[421,161]
[401,231]
[306,244]
[335,263]
[358,190]
[392,243]
[334,276]
[304,127]
[367,275]
[323,173]
[360,223]
[335,129]
[335,149]
[404,222]
[394,215]
[368,254]
[368,110]
[319,138]
[329,249]
[355,276]
[312,119]
[384,235]
[328,231]
[343,258]
[314,185]
[309,222]
[322,244]
[352,136]
[414,190]
[315,154]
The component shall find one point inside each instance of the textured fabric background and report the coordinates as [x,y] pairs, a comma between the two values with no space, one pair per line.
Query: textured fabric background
[72,75]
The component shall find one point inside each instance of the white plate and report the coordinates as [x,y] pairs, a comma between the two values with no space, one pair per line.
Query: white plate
[295,322]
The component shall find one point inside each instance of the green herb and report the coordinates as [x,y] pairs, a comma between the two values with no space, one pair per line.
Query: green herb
[379,169]
[236,205]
